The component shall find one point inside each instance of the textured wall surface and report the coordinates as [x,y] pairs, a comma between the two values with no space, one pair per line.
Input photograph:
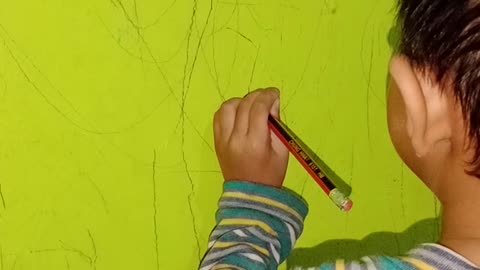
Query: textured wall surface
[106,147]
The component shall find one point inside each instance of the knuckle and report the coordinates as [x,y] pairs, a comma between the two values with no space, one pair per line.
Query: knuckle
[229,105]
[260,106]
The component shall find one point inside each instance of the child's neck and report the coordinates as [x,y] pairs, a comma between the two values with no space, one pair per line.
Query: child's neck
[461,219]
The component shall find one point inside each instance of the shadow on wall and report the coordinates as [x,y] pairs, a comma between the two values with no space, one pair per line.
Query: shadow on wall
[380,243]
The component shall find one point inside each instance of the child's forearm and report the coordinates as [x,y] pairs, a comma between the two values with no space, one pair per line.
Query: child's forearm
[257,227]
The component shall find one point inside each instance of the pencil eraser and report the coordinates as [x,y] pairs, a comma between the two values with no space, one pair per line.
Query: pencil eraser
[348,206]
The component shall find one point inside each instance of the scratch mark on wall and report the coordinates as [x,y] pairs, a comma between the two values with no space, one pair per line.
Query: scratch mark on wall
[66,248]
[154,195]
[67,263]
[1,258]
[156,21]
[187,50]
[158,67]
[42,94]
[368,73]
[397,242]
[132,54]
[191,194]
[369,81]
[436,213]
[98,191]
[94,249]
[4,92]
[194,224]
[90,259]
[352,164]
[68,102]
[235,52]
[253,70]
[150,53]
[186,84]
[402,190]
[223,26]
[120,45]
[242,35]
[331,7]
[303,185]
[3,198]
[14,262]
[305,66]
[199,133]
[214,59]
[254,17]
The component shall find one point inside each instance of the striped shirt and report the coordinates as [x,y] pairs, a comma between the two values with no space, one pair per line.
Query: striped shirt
[257,228]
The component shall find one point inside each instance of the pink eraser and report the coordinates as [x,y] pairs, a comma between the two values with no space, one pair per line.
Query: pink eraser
[348,206]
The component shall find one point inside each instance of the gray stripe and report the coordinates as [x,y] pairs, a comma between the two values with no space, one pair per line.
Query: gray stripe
[274,211]
[355,266]
[247,204]
[375,262]
[216,254]
[222,229]
[260,234]
[249,231]
[440,259]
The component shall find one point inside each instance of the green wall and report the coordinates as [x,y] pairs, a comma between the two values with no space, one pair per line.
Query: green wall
[106,146]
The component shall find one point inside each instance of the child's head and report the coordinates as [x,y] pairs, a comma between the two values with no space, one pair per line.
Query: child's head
[434,92]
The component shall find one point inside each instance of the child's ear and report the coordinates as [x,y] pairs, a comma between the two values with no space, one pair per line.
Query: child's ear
[426,108]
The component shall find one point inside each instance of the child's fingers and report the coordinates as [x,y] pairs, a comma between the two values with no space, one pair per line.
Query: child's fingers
[242,118]
[224,120]
[261,109]
[275,110]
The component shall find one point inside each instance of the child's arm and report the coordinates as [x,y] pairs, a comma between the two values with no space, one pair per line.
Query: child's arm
[257,221]
[257,227]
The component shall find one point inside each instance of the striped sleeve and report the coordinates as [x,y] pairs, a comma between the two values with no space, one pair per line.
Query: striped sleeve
[257,227]
[425,257]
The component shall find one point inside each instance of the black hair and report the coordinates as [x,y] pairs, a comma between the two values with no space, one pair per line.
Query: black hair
[442,37]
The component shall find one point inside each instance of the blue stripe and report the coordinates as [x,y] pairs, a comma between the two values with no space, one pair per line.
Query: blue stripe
[394,263]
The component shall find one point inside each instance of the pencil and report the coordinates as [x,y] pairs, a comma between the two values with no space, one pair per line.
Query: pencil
[307,160]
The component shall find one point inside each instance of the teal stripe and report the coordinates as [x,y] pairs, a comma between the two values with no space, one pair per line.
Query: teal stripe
[244,262]
[393,263]
[279,195]
[327,266]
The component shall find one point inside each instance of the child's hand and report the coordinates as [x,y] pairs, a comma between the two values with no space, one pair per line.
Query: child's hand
[246,148]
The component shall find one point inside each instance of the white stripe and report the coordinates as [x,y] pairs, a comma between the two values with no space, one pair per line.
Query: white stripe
[293,238]
[275,253]
[253,257]
[208,266]
[355,266]
[369,262]
[210,244]
[240,233]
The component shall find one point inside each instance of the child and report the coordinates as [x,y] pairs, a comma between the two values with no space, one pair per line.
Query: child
[434,123]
